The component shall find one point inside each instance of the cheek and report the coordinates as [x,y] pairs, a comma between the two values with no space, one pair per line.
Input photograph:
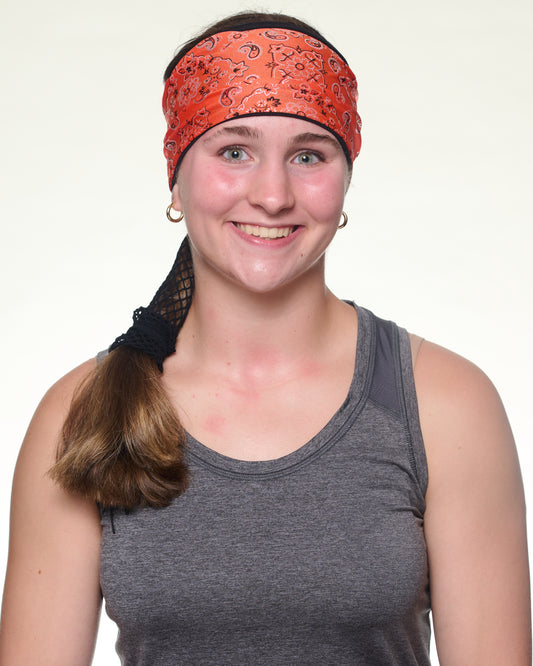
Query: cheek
[325,196]
[211,189]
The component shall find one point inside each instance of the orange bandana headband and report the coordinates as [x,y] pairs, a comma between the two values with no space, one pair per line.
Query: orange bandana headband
[255,71]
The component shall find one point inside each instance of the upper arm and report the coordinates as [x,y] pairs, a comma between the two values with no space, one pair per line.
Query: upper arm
[475,516]
[51,598]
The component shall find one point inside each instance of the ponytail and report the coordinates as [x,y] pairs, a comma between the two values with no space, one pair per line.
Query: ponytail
[122,443]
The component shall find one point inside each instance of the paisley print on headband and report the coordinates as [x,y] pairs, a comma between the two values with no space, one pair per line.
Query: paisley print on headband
[267,70]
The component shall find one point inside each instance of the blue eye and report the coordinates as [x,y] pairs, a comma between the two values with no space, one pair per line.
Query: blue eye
[234,154]
[307,158]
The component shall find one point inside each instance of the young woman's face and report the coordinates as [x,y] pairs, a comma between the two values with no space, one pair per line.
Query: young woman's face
[262,198]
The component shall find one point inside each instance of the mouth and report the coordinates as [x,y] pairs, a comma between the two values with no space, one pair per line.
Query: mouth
[270,233]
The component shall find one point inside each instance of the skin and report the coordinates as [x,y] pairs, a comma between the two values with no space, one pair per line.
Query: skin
[475,518]
[51,602]
[265,339]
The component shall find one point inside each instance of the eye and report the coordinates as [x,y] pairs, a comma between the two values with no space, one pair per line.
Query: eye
[234,154]
[308,157]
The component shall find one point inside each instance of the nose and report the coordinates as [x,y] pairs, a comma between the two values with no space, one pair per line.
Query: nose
[271,188]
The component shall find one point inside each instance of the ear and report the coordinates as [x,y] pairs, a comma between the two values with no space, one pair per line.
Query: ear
[176,199]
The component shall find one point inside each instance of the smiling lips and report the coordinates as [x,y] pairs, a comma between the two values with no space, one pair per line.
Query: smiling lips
[264,232]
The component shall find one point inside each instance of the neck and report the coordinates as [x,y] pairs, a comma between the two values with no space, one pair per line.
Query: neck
[231,325]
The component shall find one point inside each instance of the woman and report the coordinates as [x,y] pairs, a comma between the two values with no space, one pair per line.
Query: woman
[248,475]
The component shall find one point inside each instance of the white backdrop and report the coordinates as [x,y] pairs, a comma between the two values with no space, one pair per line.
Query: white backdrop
[440,234]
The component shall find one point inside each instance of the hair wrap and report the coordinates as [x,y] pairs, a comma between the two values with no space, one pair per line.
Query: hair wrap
[257,71]
[155,328]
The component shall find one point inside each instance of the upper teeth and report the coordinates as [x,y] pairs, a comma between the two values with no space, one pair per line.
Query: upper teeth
[264,232]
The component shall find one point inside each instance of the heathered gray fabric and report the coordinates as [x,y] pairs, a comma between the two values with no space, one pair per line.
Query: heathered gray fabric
[315,558]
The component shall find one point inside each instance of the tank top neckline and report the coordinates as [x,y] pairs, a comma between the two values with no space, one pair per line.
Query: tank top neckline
[333,430]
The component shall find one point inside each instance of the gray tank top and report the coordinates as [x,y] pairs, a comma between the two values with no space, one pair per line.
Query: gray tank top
[314,558]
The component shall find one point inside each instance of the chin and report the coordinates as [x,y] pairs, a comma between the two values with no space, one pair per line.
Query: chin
[273,283]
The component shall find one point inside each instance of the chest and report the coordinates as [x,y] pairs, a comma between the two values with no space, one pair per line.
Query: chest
[248,418]
[333,543]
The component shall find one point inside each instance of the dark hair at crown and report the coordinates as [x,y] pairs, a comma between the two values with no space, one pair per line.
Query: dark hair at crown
[249,21]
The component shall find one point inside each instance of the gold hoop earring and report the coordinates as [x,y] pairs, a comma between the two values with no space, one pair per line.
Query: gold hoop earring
[174,219]
[344,221]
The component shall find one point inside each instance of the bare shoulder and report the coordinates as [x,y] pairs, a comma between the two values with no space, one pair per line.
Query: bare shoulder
[461,411]
[59,395]
[475,514]
[439,369]
[456,381]
[50,414]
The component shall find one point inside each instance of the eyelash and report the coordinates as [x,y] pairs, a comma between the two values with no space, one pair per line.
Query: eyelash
[315,157]
[313,154]
[225,153]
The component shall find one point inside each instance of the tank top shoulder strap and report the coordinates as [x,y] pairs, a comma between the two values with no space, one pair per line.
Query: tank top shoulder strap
[385,385]
[101,355]
[392,386]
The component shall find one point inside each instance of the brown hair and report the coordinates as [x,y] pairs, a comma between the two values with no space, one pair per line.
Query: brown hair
[122,443]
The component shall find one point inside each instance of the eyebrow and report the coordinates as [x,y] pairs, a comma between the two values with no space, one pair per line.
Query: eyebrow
[251,133]
[237,130]
[312,137]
